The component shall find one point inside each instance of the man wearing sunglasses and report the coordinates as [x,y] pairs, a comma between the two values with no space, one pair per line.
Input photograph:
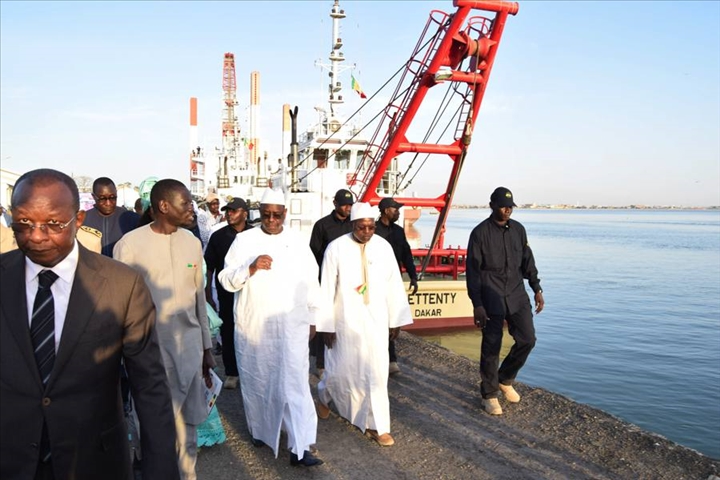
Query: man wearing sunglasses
[275,275]
[360,278]
[386,226]
[67,317]
[111,221]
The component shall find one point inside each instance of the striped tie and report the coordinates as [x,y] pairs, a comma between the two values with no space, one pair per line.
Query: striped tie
[42,325]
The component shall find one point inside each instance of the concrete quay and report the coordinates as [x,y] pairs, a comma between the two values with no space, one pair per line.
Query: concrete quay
[441,433]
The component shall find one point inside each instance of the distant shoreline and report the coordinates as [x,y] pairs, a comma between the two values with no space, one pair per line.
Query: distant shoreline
[591,207]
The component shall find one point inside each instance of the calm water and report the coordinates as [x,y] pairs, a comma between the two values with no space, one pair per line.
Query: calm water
[632,316]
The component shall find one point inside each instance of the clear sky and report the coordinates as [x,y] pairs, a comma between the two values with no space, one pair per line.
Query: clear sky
[608,103]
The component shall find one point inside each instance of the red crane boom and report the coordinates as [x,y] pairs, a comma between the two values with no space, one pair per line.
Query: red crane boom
[453,51]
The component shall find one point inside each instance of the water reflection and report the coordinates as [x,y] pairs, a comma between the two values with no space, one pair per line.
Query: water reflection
[465,342]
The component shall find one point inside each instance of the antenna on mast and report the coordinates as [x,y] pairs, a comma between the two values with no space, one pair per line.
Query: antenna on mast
[336,57]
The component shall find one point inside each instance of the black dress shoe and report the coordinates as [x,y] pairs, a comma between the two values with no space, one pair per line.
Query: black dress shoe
[257,443]
[308,460]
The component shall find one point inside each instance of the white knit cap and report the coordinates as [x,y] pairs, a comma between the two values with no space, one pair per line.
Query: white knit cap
[362,210]
[273,197]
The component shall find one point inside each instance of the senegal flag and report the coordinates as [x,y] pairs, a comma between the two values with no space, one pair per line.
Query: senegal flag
[356,86]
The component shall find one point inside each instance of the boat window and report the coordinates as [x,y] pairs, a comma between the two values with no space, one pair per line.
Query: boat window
[359,158]
[342,159]
[388,183]
[320,156]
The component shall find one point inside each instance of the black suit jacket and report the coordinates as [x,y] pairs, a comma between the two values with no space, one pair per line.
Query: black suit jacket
[110,315]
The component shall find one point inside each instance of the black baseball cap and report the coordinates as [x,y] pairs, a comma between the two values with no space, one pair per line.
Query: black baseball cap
[389,202]
[502,197]
[344,197]
[236,203]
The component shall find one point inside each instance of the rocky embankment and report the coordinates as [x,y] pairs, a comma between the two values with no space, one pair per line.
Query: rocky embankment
[442,433]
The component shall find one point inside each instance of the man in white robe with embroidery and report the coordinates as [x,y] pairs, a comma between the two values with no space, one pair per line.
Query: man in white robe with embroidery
[360,277]
[275,275]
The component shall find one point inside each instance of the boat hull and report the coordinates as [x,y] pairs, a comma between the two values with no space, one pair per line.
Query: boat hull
[440,304]
[411,215]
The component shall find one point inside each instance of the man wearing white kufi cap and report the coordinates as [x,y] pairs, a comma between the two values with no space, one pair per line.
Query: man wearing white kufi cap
[275,275]
[360,277]
[272,197]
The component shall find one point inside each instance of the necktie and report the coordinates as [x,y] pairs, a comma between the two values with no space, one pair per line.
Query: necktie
[42,325]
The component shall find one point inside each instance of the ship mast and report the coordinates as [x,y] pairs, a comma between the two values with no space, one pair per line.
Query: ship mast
[335,67]
[230,130]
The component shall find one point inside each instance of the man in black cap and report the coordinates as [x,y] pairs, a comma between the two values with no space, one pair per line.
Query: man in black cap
[499,259]
[217,247]
[325,230]
[387,227]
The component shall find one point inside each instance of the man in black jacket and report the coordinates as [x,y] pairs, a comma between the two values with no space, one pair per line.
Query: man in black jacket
[217,247]
[325,230]
[499,259]
[387,228]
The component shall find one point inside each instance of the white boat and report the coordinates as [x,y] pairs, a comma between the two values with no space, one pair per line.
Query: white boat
[456,52]
[329,153]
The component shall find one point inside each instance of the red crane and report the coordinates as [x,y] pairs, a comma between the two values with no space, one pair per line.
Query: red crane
[458,51]
[230,130]
[229,85]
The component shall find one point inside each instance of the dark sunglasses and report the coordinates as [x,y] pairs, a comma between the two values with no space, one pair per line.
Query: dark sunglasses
[109,198]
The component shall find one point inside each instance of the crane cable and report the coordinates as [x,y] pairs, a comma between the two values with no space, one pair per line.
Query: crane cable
[358,111]
[404,66]
[427,135]
[467,136]
[445,103]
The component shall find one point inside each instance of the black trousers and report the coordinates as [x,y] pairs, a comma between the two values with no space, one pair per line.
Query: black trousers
[227,334]
[522,329]
[317,350]
[44,471]
[391,351]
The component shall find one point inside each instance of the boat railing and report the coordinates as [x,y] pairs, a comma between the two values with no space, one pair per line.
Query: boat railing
[445,262]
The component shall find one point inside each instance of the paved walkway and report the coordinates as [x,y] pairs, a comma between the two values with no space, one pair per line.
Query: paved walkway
[441,433]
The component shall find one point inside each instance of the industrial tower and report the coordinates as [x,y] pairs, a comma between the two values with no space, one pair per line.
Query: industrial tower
[197,156]
[229,155]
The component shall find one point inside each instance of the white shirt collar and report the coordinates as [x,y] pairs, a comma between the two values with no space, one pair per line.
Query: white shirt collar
[65,270]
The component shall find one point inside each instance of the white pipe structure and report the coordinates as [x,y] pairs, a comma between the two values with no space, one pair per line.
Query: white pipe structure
[285,133]
[197,162]
[193,123]
[255,151]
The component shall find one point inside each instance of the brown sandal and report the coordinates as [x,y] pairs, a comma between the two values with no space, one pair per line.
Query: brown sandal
[384,440]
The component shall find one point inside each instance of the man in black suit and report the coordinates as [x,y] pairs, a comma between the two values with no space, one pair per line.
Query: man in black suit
[329,228]
[61,414]
[236,212]
[387,227]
